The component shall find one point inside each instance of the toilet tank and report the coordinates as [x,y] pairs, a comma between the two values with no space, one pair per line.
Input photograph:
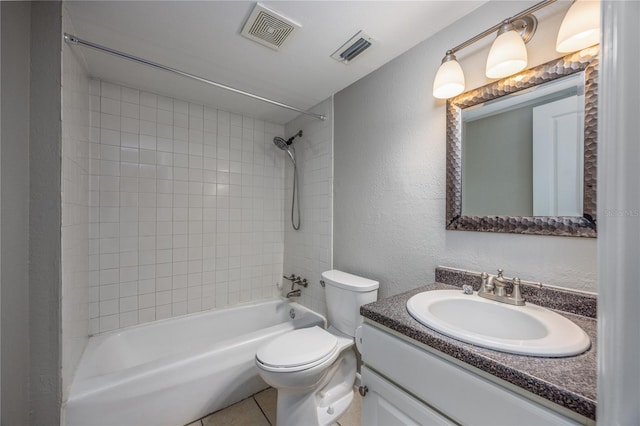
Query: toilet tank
[345,293]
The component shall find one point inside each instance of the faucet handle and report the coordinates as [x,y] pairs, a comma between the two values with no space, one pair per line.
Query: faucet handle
[516,295]
[486,285]
[301,281]
[499,283]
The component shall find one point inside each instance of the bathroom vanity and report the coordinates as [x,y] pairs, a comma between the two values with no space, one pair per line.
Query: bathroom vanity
[415,375]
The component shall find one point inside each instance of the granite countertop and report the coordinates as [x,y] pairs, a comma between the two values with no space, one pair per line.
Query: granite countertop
[569,382]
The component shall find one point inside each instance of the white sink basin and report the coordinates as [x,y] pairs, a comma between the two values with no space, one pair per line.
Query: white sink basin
[525,330]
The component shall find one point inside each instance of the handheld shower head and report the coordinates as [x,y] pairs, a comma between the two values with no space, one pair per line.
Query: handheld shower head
[285,145]
[280,143]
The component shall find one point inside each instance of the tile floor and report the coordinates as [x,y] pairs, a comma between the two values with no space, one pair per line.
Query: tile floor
[260,410]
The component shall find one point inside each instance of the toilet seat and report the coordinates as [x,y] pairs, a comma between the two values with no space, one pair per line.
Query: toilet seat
[297,350]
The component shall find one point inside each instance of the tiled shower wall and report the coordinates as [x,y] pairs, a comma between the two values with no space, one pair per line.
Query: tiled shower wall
[186,208]
[308,251]
[75,209]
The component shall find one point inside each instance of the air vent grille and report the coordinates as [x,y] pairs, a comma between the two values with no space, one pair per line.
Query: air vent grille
[268,28]
[353,48]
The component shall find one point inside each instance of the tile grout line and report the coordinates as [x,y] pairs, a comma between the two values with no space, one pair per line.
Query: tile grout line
[261,410]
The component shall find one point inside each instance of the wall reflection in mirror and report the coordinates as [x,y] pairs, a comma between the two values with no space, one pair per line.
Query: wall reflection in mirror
[521,152]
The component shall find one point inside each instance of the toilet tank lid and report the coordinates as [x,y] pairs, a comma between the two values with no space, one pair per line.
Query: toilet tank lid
[349,281]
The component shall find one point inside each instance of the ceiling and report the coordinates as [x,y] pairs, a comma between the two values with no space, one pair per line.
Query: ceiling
[203,38]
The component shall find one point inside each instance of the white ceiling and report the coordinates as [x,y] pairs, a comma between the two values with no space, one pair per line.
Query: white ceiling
[203,38]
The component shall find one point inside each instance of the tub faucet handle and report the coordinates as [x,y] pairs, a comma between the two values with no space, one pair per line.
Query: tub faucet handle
[294,293]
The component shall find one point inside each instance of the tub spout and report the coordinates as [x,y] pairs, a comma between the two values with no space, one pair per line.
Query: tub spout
[294,293]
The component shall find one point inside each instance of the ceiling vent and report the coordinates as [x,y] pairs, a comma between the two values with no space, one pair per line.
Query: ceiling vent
[353,48]
[268,28]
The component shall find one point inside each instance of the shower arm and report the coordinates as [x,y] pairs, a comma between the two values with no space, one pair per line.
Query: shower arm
[71,39]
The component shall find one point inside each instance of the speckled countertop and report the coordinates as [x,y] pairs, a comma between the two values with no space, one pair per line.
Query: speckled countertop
[569,382]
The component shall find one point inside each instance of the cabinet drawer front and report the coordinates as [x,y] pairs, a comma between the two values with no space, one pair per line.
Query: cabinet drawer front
[460,394]
[386,404]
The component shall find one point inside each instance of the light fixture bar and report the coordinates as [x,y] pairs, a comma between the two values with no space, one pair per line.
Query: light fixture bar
[75,40]
[496,27]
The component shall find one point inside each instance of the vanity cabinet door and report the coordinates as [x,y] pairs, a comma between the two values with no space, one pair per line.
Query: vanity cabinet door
[386,404]
[463,396]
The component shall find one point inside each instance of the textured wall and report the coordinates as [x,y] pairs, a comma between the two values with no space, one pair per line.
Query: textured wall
[389,169]
[15,211]
[186,208]
[45,147]
[0,200]
[75,208]
[307,252]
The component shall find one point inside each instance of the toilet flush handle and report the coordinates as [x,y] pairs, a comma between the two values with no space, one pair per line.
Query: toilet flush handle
[363,390]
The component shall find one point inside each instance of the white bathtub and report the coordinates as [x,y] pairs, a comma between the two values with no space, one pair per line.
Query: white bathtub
[173,371]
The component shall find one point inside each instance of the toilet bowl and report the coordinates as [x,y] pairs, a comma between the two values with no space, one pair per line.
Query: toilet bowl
[314,369]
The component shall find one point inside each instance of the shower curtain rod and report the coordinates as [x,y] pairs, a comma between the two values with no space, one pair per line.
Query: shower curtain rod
[69,38]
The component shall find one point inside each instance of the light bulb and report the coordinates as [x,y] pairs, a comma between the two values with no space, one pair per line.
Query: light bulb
[580,27]
[449,80]
[508,54]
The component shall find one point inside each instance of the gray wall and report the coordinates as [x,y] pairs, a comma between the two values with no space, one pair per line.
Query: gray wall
[497,175]
[389,168]
[44,213]
[30,178]
[15,212]
[0,213]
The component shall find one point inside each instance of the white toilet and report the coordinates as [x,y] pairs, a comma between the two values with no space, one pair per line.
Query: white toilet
[314,369]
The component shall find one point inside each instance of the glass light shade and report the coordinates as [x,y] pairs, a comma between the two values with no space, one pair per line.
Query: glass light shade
[507,56]
[580,27]
[449,81]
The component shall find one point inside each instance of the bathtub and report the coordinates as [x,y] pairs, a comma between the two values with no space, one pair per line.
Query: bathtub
[174,371]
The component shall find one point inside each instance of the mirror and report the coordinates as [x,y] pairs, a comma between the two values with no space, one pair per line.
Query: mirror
[521,152]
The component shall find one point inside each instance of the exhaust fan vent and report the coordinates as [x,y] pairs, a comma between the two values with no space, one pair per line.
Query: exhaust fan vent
[268,28]
[353,48]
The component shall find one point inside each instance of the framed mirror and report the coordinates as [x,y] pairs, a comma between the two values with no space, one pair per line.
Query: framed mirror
[521,152]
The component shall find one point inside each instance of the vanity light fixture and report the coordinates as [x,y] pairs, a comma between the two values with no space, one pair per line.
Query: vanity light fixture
[449,81]
[580,27]
[508,54]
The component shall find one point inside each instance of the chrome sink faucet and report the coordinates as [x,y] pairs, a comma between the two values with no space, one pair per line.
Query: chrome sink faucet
[493,287]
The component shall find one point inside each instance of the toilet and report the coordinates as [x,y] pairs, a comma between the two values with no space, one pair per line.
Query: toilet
[314,369]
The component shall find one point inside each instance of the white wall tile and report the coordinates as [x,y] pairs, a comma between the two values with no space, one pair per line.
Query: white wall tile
[80,249]
[110,91]
[130,95]
[307,252]
[179,208]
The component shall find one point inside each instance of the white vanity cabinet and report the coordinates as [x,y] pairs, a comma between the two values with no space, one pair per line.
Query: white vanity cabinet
[387,404]
[409,384]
